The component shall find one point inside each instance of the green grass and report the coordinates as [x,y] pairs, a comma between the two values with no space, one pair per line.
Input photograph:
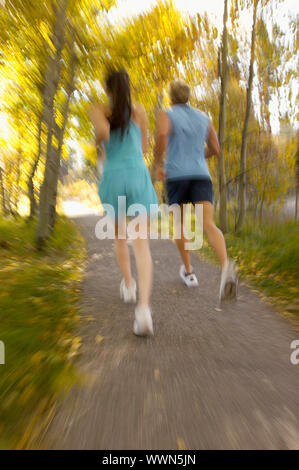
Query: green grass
[268,257]
[38,296]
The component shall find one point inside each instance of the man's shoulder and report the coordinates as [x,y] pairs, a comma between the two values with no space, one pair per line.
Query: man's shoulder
[167,113]
[168,110]
[172,112]
[199,113]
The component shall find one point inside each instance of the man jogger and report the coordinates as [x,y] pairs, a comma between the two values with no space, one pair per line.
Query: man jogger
[189,138]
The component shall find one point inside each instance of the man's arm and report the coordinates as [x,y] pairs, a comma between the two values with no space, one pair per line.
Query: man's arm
[162,132]
[213,147]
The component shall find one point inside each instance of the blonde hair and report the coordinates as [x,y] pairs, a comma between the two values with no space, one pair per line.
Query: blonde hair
[179,92]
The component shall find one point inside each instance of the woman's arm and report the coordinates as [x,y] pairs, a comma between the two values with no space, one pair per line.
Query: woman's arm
[140,117]
[102,127]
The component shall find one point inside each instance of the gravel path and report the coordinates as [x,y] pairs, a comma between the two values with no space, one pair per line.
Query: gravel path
[208,379]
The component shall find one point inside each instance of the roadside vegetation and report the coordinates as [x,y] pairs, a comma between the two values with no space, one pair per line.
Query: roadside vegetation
[38,305]
[268,259]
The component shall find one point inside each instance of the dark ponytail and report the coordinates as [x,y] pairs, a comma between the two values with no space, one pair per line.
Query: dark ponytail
[118,84]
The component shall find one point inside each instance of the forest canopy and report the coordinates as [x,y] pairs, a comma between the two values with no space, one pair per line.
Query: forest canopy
[54,55]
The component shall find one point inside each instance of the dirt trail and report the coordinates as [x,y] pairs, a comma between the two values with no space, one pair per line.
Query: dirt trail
[208,379]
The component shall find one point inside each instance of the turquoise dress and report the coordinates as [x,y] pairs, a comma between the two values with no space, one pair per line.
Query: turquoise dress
[125,174]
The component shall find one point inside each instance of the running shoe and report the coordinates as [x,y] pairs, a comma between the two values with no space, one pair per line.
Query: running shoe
[128,294]
[228,282]
[143,323]
[189,279]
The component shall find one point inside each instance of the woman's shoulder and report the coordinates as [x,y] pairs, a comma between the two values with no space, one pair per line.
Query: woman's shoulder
[101,107]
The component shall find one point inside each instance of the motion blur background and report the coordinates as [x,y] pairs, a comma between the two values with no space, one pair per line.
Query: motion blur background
[242,67]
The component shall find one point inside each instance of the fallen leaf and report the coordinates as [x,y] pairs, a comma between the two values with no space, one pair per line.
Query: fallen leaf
[99,339]
[181,444]
[90,318]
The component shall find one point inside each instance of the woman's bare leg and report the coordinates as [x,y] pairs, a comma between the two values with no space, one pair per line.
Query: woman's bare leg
[123,257]
[144,265]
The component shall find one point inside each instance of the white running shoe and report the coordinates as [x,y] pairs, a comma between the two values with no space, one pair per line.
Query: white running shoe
[128,294]
[189,279]
[229,282]
[143,323]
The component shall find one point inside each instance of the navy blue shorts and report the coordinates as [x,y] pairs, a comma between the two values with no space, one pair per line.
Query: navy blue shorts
[190,190]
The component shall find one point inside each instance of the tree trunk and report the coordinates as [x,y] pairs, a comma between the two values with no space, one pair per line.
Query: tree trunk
[60,131]
[261,208]
[16,194]
[242,178]
[52,78]
[8,187]
[30,185]
[221,167]
[3,197]
[297,184]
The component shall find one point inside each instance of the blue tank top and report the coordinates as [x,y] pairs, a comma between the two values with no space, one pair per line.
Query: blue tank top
[126,151]
[185,156]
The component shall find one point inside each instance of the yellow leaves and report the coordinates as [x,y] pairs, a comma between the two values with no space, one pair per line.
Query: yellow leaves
[55,142]
[181,444]
[99,339]
[90,318]
[45,32]
[26,394]
[89,152]
[37,300]
[214,32]
[37,358]
[40,313]
[75,346]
